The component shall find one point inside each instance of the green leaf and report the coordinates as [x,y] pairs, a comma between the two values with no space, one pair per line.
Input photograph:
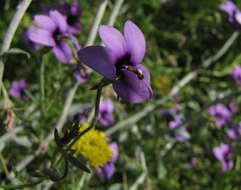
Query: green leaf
[18,51]
[78,162]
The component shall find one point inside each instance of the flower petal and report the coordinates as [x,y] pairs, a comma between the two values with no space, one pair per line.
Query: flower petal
[97,58]
[45,22]
[131,89]
[59,20]
[135,40]
[63,52]
[113,40]
[41,36]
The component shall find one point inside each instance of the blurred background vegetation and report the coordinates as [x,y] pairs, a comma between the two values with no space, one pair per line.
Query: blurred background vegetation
[180,35]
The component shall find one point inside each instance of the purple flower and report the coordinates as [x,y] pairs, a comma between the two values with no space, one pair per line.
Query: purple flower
[224,153]
[80,73]
[106,117]
[236,74]
[31,45]
[234,132]
[176,122]
[120,61]
[234,13]
[108,170]
[80,117]
[181,134]
[221,114]
[72,12]
[52,32]
[191,164]
[17,89]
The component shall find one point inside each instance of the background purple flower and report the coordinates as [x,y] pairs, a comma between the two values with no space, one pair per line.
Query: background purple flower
[191,164]
[17,89]
[106,109]
[52,32]
[72,12]
[234,132]
[108,170]
[224,153]
[221,114]
[80,73]
[234,13]
[120,61]
[236,74]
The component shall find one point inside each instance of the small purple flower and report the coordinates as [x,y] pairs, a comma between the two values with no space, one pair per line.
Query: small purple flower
[80,73]
[17,89]
[236,74]
[234,132]
[106,117]
[221,114]
[52,32]
[181,134]
[120,61]
[108,170]
[176,122]
[191,164]
[224,153]
[80,117]
[234,13]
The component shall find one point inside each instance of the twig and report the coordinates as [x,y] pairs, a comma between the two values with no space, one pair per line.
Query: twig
[222,51]
[188,78]
[98,18]
[115,12]
[139,181]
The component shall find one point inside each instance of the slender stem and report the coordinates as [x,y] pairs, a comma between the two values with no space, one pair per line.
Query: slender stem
[222,51]
[98,18]
[94,120]
[115,11]
[5,169]
[42,83]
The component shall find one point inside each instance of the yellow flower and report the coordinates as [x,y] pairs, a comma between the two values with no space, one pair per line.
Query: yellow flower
[163,82]
[93,146]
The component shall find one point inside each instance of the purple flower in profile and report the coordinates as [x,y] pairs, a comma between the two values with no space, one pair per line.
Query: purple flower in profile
[221,114]
[80,73]
[120,61]
[106,117]
[236,74]
[108,170]
[17,89]
[234,13]
[224,154]
[31,45]
[52,32]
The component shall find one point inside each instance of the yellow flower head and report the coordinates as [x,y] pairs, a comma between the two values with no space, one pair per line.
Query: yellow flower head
[93,146]
[163,82]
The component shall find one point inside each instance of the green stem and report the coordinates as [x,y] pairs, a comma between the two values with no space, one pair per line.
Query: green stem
[95,119]
[20,186]
[5,169]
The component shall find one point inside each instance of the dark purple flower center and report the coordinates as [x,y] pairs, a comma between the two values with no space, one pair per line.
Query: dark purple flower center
[124,63]
[72,20]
